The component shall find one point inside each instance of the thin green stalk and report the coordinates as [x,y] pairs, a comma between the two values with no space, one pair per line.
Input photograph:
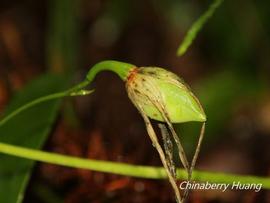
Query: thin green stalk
[75,91]
[126,169]
[32,103]
[196,27]
[120,68]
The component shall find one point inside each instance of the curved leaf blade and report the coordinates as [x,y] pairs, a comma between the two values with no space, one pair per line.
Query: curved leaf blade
[29,129]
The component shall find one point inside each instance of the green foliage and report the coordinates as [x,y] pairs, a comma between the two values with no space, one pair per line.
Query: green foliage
[196,27]
[28,129]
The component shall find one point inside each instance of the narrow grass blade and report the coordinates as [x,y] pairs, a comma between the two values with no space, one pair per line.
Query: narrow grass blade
[196,27]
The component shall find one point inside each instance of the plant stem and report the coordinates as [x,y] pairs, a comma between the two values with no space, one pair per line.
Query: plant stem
[32,103]
[74,91]
[120,68]
[126,169]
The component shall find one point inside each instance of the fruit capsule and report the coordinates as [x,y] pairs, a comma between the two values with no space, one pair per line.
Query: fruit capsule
[149,87]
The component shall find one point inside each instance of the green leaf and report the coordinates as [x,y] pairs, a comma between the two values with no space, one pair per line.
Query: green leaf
[197,26]
[30,128]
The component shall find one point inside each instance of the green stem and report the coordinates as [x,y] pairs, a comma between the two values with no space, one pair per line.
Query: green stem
[32,103]
[126,169]
[120,68]
[74,91]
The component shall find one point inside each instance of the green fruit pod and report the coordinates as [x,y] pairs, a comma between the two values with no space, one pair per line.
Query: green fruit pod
[154,87]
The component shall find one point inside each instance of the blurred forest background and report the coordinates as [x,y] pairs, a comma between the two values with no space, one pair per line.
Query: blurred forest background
[227,66]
